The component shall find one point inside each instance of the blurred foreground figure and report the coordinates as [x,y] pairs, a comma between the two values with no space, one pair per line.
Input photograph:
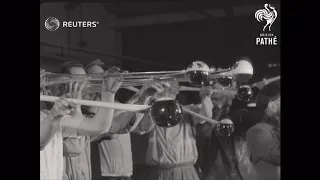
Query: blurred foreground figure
[263,139]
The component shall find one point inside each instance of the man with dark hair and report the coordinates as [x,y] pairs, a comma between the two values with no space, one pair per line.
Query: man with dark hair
[263,139]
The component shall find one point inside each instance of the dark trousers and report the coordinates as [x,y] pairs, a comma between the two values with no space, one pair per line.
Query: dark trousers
[141,172]
[115,178]
[95,161]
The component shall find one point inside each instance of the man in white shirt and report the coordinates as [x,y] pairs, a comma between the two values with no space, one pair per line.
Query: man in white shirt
[114,150]
[172,151]
[57,123]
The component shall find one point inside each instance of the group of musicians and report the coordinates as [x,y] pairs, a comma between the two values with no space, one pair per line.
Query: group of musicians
[90,143]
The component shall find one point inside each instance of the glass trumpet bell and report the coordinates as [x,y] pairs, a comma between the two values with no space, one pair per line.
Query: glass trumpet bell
[166,112]
[198,78]
[245,93]
[225,127]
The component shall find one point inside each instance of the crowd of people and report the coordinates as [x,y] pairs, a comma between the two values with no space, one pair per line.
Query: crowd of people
[89,143]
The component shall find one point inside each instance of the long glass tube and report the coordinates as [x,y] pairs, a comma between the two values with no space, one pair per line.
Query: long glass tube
[129,80]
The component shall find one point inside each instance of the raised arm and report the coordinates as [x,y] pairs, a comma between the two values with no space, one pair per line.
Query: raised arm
[50,120]
[148,91]
[145,126]
[205,96]
[206,106]
[125,122]
[47,129]
[102,120]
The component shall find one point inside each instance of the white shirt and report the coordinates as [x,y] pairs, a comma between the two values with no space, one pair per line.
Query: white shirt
[174,145]
[116,156]
[51,157]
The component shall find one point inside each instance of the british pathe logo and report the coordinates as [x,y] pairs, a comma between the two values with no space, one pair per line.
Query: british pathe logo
[268,15]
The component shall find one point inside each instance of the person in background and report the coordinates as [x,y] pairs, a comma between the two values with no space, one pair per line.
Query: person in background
[57,122]
[226,157]
[218,158]
[263,139]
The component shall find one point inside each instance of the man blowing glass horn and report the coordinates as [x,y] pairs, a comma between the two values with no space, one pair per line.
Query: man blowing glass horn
[57,123]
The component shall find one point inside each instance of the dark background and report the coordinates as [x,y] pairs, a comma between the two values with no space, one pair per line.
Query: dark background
[173,46]
[218,42]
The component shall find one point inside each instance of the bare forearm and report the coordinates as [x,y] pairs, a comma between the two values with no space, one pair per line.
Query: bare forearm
[102,120]
[206,107]
[77,112]
[146,125]
[47,130]
[134,98]
[141,115]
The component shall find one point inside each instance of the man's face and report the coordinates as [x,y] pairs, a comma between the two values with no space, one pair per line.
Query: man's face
[95,69]
[274,107]
[277,102]
[72,71]
[223,98]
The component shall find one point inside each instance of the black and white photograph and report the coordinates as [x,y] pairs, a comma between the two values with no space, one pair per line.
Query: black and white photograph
[160,90]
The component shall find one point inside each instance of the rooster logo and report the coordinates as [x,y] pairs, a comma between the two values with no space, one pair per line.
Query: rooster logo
[269,14]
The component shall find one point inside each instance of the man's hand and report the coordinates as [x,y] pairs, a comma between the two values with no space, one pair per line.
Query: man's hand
[261,84]
[62,107]
[112,80]
[75,89]
[151,89]
[206,91]
[221,99]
